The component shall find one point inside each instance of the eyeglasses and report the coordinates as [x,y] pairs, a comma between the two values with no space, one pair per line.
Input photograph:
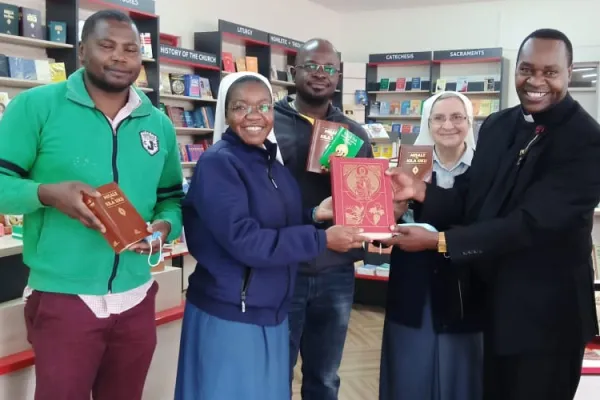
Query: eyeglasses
[455,119]
[241,110]
[313,68]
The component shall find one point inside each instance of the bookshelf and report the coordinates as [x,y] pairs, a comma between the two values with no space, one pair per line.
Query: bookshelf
[238,40]
[397,85]
[482,71]
[183,108]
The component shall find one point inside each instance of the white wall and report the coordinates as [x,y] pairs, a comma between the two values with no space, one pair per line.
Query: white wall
[493,24]
[299,20]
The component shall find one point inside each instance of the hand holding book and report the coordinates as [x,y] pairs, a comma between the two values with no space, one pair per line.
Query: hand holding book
[68,197]
[324,211]
[343,238]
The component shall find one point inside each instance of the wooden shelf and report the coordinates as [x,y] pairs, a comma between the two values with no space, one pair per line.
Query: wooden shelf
[26,41]
[186,98]
[20,83]
[184,131]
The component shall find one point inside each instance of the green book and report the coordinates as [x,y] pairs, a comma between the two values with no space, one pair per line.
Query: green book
[344,144]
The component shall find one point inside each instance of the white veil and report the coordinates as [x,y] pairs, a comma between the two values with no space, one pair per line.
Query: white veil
[220,123]
[425,137]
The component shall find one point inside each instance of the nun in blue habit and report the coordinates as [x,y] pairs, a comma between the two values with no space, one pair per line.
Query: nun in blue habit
[246,228]
[432,342]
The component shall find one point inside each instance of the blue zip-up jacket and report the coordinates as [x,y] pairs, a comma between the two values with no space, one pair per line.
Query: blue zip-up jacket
[245,226]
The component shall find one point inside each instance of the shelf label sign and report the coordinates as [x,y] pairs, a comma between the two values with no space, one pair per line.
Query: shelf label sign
[467,54]
[400,57]
[146,6]
[192,56]
[243,31]
[285,42]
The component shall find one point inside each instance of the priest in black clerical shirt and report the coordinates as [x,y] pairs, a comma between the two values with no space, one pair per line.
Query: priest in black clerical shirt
[522,222]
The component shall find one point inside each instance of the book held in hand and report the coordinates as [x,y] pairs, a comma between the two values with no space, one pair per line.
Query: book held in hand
[124,225]
[322,134]
[362,195]
[343,144]
[416,160]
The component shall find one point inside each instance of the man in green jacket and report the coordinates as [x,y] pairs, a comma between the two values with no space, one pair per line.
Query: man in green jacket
[89,311]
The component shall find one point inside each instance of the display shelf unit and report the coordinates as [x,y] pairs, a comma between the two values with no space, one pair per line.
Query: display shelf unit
[239,40]
[175,59]
[283,56]
[72,13]
[396,86]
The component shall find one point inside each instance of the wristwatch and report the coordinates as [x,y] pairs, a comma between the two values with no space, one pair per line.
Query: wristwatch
[441,246]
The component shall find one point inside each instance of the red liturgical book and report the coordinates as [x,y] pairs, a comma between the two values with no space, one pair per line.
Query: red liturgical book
[124,225]
[362,195]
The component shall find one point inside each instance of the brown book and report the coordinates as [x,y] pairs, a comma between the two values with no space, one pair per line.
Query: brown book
[322,134]
[124,225]
[417,160]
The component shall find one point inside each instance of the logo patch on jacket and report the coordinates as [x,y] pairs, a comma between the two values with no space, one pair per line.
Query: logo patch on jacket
[149,142]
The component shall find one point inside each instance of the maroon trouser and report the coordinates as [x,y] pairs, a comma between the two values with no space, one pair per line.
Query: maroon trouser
[77,353]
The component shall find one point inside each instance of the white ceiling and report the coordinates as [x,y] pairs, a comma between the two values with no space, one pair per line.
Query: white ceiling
[373,5]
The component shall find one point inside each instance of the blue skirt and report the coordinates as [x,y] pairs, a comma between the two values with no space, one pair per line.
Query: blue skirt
[418,363]
[226,360]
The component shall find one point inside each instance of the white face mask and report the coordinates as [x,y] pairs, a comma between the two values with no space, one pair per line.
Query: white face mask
[150,239]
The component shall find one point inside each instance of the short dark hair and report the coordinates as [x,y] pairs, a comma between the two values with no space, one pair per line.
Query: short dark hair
[104,15]
[552,34]
[239,82]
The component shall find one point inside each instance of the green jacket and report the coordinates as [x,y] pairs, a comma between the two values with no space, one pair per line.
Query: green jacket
[54,133]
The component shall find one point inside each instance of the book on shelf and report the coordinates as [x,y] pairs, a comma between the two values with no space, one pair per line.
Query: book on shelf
[9,24]
[384,84]
[57,31]
[322,134]
[142,79]
[146,45]
[227,61]
[31,69]
[124,225]
[362,195]
[252,64]
[30,23]
[200,117]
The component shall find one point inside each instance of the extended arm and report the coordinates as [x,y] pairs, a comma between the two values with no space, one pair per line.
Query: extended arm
[19,140]
[220,198]
[553,205]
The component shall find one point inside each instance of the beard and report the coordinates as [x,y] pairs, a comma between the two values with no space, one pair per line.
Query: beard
[101,84]
[312,99]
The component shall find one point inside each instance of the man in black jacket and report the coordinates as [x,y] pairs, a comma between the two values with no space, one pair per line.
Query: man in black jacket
[324,291]
[526,213]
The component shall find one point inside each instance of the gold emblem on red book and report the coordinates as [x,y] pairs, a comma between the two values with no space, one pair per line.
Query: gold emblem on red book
[363,184]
